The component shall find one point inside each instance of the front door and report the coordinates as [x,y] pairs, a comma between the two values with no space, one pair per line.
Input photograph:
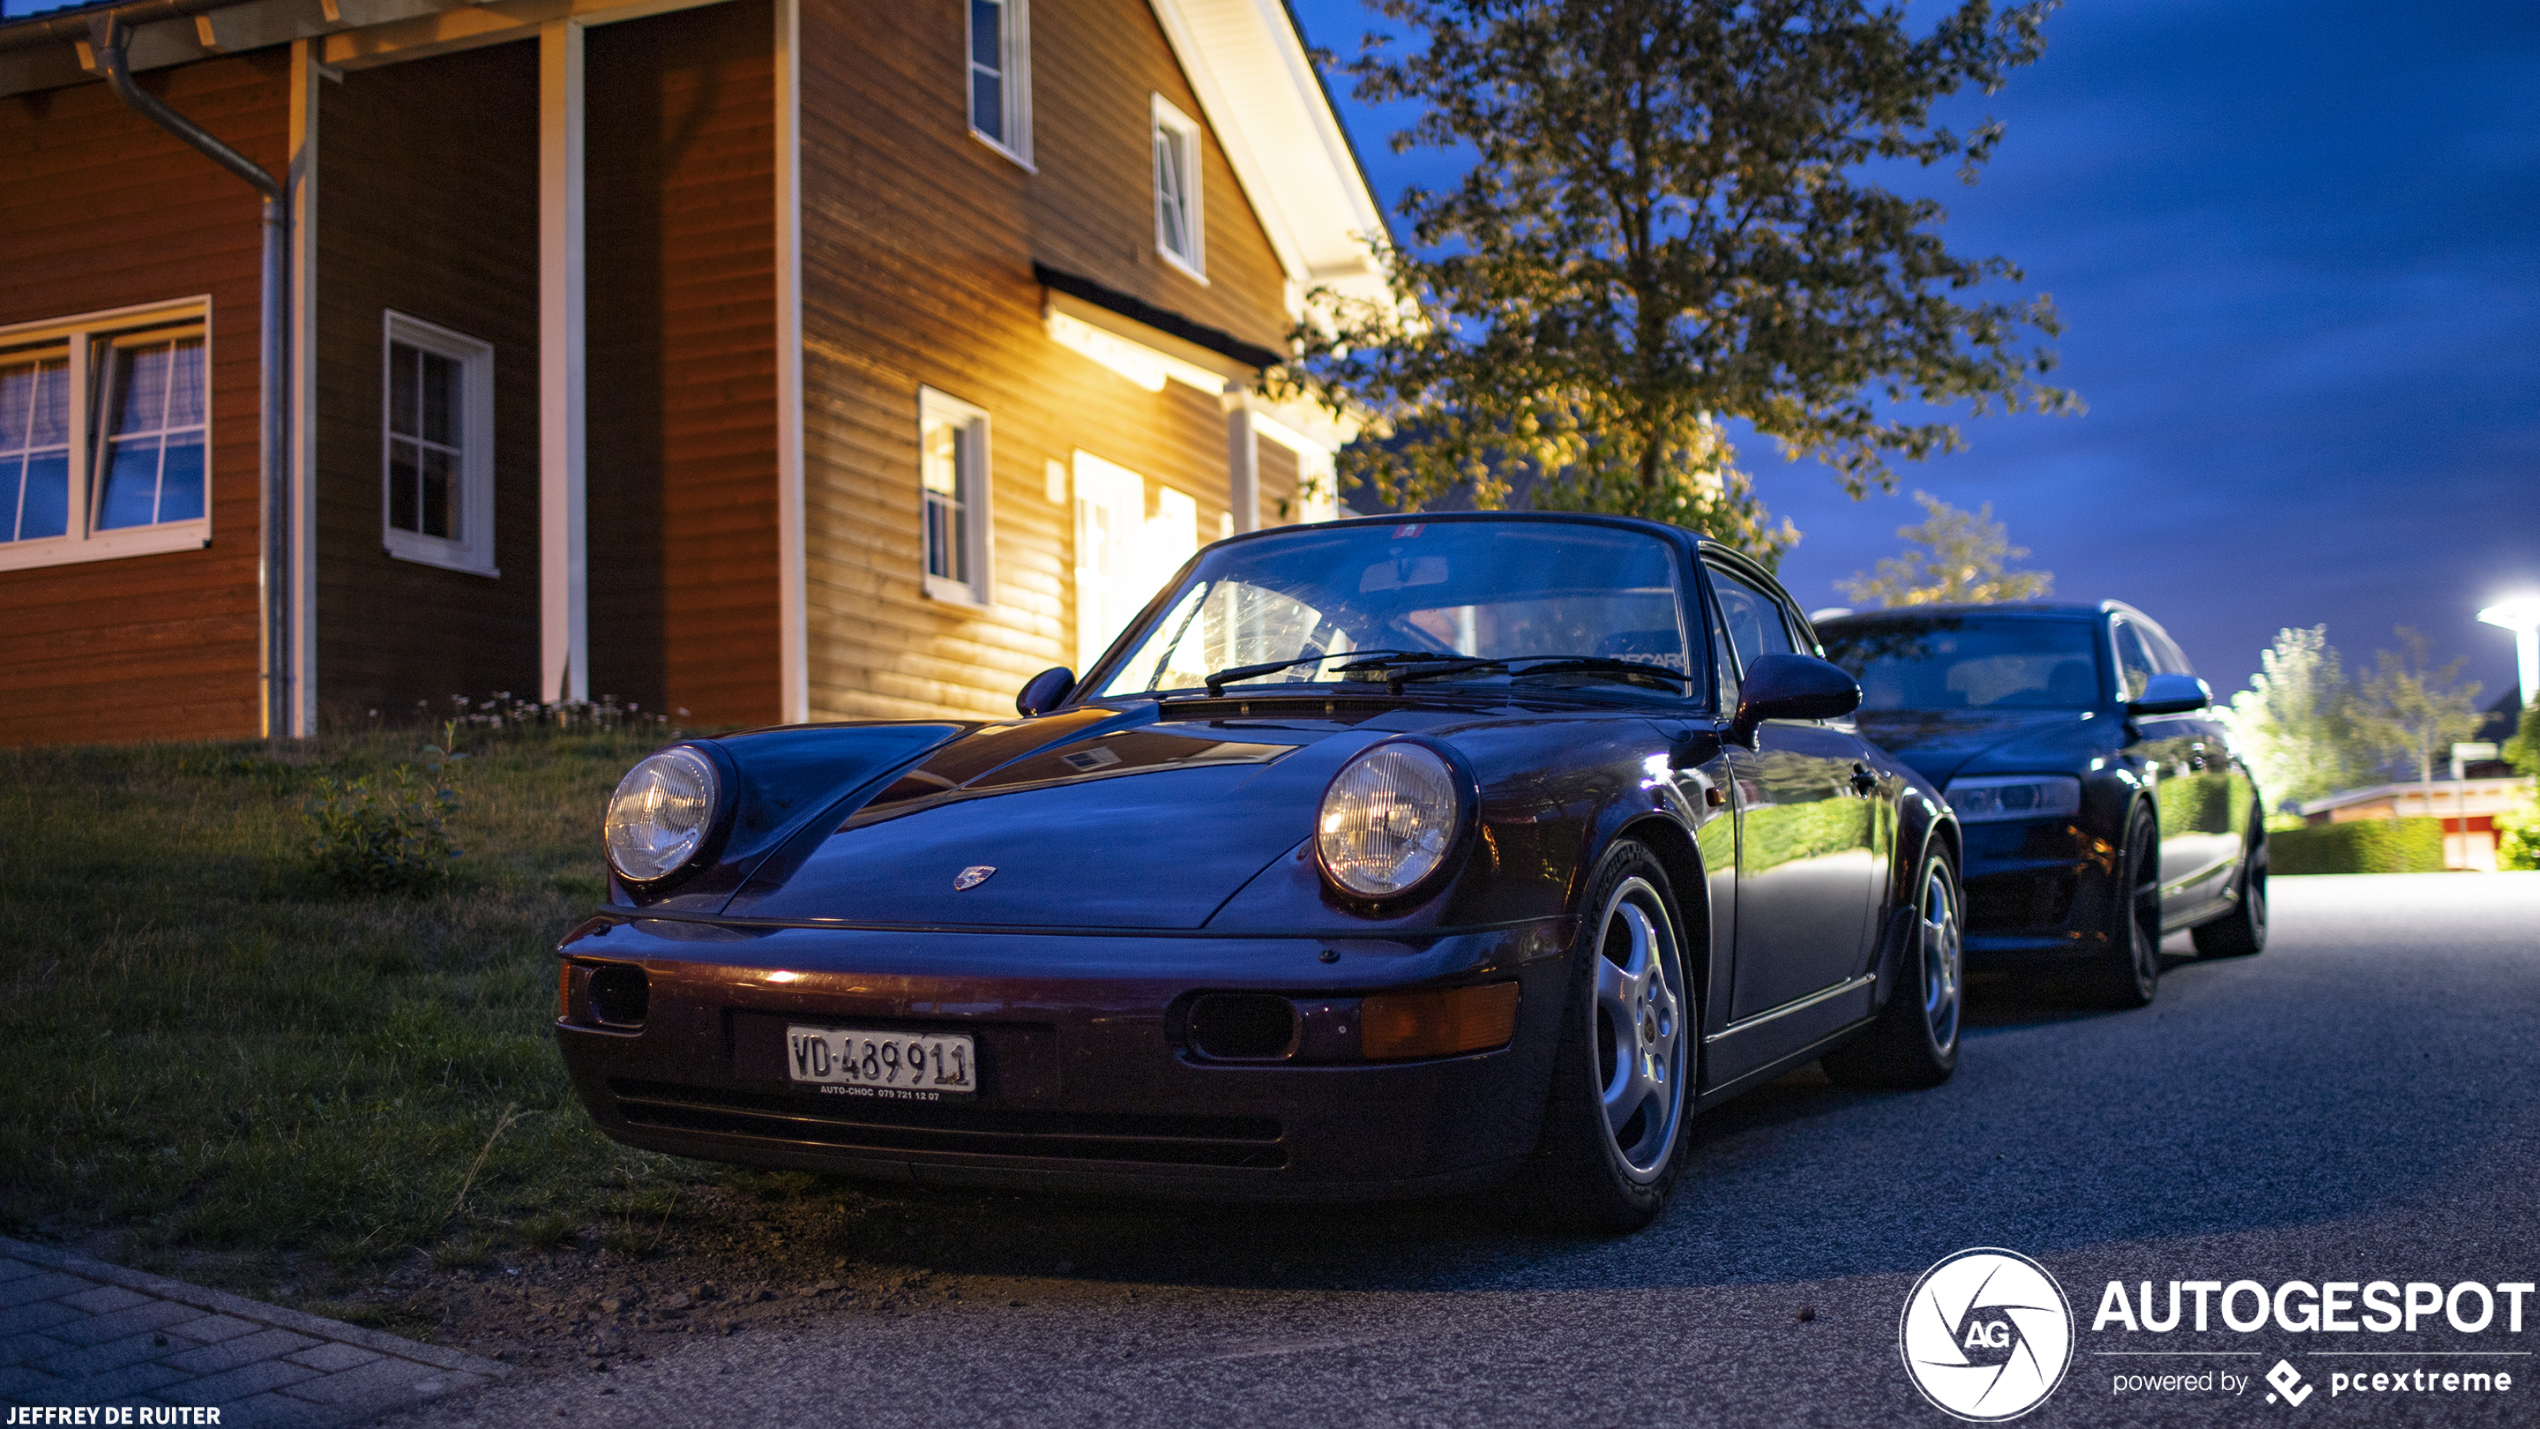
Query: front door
[1807,863]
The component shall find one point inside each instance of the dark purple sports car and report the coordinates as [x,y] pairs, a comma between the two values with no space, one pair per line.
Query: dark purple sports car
[1378,857]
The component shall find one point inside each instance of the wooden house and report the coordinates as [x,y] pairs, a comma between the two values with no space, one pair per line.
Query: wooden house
[766,360]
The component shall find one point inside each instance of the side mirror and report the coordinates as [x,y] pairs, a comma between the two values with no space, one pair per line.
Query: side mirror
[1043,691]
[2170,694]
[1791,687]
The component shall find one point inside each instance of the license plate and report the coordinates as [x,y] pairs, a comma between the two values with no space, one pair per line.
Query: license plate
[887,1066]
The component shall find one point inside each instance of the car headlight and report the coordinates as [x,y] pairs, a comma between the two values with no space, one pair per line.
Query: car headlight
[1388,820]
[661,813]
[2018,796]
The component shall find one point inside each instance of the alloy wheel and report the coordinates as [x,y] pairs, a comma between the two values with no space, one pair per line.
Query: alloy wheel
[1641,1031]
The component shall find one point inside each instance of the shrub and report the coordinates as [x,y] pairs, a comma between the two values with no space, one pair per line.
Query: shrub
[2518,837]
[2363,846]
[385,835]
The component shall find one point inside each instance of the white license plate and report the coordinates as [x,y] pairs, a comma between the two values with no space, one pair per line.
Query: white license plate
[887,1066]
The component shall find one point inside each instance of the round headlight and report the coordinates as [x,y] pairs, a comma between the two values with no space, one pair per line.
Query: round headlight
[661,813]
[1388,821]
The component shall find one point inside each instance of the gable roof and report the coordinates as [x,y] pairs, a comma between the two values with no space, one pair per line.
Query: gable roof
[1247,63]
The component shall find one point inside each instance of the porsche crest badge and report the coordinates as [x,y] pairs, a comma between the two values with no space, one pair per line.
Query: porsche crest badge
[972,877]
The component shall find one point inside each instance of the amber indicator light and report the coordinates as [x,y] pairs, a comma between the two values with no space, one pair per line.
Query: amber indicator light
[1394,1026]
[564,991]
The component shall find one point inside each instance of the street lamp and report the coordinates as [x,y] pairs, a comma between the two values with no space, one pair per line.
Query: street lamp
[2521,615]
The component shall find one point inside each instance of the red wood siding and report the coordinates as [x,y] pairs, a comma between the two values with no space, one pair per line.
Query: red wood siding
[681,204]
[427,205]
[919,242]
[101,209]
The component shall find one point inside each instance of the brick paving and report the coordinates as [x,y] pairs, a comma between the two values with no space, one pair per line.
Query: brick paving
[78,1332]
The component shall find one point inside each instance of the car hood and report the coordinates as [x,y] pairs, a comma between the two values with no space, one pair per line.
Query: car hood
[1942,744]
[1094,817]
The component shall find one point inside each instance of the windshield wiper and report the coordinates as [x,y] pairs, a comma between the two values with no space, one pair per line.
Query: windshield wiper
[1369,659]
[1552,665]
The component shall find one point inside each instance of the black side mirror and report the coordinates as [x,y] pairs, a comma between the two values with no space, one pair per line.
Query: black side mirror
[1791,687]
[1043,691]
[2170,694]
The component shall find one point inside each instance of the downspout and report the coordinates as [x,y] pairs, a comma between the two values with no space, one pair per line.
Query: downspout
[108,34]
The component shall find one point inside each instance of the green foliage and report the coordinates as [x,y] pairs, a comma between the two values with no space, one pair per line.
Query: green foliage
[2524,748]
[1666,226]
[2518,831]
[2296,720]
[1960,563]
[2415,712]
[384,834]
[2360,846]
[211,1051]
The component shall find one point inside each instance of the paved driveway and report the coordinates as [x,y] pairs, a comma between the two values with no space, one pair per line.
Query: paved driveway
[2357,1104]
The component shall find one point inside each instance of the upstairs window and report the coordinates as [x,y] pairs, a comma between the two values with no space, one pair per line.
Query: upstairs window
[436,447]
[1179,219]
[1001,76]
[953,497]
[104,435]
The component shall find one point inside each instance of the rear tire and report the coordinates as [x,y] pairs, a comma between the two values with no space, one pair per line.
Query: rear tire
[1614,1132]
[1914,1042]
[2242,932]
[2128,973]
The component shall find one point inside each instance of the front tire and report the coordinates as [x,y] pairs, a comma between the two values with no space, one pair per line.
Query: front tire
[2128,972]
[1614,1134]
[2242,932]
[1914,1042]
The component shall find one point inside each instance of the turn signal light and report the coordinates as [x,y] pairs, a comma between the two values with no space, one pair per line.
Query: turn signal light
[1395,1026]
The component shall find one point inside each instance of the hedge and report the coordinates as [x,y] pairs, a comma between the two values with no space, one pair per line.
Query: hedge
[2363,846]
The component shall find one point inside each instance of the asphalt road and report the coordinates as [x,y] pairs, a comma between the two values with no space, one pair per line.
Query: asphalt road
[2355,1104]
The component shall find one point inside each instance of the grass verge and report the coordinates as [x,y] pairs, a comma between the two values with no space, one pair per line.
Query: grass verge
[215,1050]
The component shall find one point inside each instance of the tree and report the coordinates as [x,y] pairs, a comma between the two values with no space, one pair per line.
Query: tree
[1664,227]
[2518,830]
[1965,549]
[2296,720]
[2410,710]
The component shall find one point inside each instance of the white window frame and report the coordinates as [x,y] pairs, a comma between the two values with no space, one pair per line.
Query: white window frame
[1195,211]
[977,590]
[1014,49]
[472,550]
[86,339]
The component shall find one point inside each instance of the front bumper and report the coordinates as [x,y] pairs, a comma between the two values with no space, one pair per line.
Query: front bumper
[2038,890]
[1084,1079]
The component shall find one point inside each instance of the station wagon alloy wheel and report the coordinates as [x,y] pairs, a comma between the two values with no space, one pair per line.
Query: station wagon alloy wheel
[1641,1029]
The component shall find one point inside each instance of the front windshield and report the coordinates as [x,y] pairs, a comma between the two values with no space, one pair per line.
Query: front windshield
[1495,590]
[1968,662]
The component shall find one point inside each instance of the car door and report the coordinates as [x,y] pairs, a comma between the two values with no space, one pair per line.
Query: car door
[2205,799]
[1807,865]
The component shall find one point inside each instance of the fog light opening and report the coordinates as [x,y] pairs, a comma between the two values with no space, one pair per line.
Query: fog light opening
[1243,1026]
[620,995]
[1448,1023]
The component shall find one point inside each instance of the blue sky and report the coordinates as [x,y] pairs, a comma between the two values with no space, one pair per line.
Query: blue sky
[2297,252]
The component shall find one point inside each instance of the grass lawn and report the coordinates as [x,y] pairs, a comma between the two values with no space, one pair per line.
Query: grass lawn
[219,1063]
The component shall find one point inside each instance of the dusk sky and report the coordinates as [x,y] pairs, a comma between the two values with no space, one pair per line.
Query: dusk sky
[2297,251]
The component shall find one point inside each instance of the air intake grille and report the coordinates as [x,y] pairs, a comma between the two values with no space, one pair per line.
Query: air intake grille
[1239,1141]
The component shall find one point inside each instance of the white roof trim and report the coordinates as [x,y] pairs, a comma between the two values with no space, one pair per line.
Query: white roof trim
[1256,87]
[2443,789]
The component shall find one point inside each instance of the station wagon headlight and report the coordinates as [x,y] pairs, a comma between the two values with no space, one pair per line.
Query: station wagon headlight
[661,813]
[1388,820]
[2021,796]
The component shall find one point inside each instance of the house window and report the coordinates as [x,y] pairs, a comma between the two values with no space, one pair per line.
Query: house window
[1179,220]
[437,446]
[1001,76]
[104,434]
[953,497]
[35,448]
[1124,555]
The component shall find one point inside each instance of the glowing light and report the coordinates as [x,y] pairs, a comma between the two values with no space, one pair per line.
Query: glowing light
[2521,615]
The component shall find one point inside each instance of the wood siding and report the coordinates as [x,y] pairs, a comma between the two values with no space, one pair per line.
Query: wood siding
[101,209]
[428,206]
[681,207]
[919,242]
